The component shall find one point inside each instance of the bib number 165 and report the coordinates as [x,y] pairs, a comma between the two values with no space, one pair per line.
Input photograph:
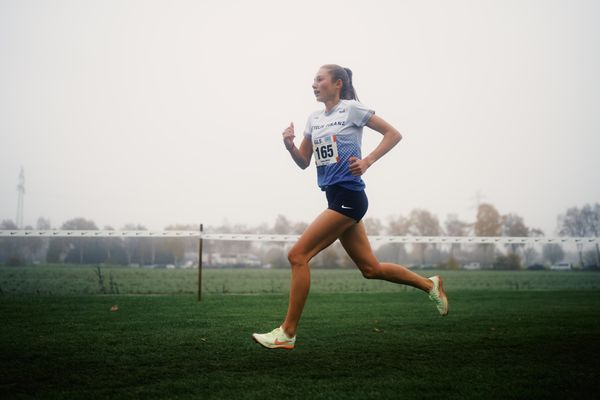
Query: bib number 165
[326,151]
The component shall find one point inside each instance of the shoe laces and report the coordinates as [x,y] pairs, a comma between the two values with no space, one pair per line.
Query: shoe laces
[275,331]
[434,295]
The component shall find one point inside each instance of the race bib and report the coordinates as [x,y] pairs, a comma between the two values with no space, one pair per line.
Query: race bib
[326,151]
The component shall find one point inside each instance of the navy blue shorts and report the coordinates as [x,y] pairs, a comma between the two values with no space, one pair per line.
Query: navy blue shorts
[350,203]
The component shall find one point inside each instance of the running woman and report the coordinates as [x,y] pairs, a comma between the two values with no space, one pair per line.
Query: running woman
[334,136]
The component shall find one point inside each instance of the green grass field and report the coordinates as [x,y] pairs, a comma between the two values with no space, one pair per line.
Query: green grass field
[78,280]
[509,335]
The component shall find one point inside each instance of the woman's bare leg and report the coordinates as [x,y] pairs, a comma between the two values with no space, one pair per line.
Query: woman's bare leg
[322,232]
[356,243]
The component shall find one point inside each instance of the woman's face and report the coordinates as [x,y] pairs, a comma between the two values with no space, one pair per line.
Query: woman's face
[324,88]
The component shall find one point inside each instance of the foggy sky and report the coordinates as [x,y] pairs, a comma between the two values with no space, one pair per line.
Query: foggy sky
[163,112]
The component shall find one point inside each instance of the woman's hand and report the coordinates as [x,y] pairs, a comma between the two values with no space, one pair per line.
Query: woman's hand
[288,137]
[358,166]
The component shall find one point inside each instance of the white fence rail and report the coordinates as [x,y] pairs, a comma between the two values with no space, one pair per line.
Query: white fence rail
[293,238]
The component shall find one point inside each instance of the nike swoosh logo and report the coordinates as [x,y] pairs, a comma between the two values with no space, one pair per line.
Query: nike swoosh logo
[277,342]
[346,208]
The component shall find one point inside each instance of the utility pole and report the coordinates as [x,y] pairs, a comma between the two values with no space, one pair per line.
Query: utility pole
[200,264]
[21,191]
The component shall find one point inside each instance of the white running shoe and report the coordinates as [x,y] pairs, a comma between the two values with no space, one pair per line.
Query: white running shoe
[276,339]
[438,295]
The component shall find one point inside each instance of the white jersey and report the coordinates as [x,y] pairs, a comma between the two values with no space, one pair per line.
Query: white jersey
[336,136]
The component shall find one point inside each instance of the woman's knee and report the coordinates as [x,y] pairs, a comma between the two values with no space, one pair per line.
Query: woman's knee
[297,258]
[370,271]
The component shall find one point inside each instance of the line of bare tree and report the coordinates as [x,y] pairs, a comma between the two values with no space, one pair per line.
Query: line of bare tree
[578,222]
